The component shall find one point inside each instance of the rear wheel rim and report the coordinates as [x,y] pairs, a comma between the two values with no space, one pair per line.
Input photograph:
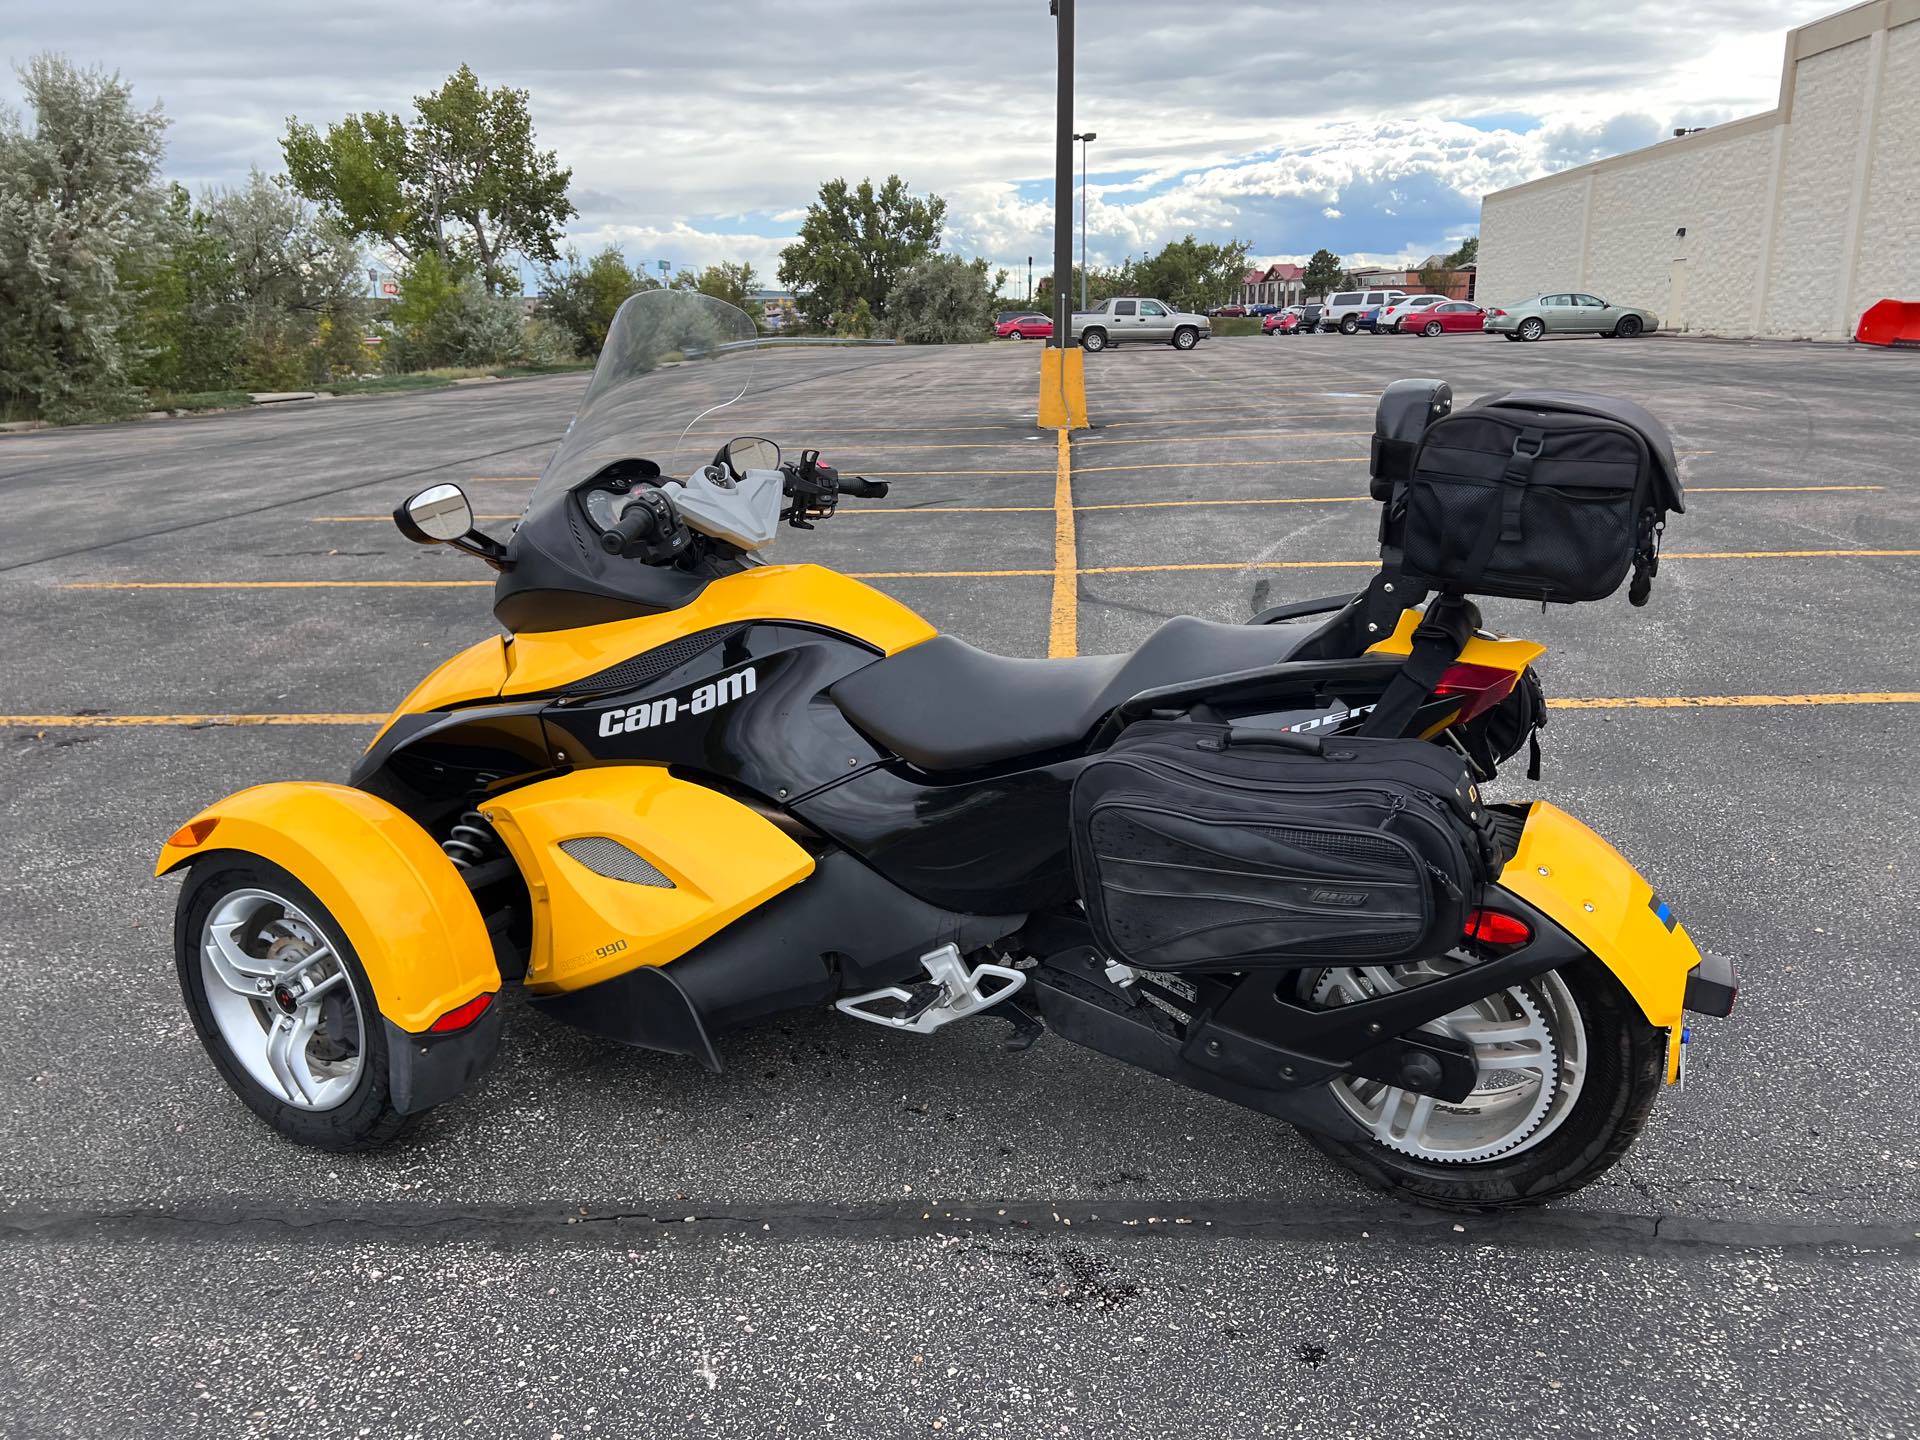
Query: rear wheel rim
[1433,327]
[1531,329]
[280,995]
[1531,1047]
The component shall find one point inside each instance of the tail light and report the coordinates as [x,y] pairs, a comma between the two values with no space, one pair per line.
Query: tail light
[1494,927]
[1481,687]
[1493,313]
[461,1016]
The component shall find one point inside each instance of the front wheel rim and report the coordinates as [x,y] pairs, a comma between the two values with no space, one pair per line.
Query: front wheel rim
[282,999]
[1529,1042]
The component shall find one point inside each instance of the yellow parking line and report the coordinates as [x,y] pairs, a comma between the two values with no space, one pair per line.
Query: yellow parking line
[1687,702]
[1221,464]
[1604,702]
[1063,631]
[72,722]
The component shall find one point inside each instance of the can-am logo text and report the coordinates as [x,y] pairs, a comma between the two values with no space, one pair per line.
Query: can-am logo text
[649,714]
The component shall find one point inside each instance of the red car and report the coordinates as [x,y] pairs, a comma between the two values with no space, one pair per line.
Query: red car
[1286,322]
[1025,327]
[1450,318]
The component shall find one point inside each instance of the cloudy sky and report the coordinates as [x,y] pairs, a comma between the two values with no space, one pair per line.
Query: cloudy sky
[698,131]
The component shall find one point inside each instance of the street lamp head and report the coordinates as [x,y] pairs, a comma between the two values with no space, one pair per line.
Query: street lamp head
[1089,136]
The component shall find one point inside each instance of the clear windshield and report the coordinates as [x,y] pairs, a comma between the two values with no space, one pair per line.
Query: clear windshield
[672,359]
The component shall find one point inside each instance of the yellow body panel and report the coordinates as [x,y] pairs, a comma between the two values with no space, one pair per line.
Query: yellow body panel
[807,594]
[722,858]
[474,674]
[405,909]
[1515,655]
[1590,890]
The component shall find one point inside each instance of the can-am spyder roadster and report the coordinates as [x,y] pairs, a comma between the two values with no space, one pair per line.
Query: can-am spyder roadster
[688,790]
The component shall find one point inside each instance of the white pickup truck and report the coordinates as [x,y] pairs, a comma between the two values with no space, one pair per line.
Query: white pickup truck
[1133,318]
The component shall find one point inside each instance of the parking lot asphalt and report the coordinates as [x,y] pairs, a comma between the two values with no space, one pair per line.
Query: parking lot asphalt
[598,1241]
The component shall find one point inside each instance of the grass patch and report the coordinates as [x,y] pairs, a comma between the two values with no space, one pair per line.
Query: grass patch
[199,400]
[1237,325]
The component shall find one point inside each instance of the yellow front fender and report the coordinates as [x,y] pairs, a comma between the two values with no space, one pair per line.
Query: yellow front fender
[1585,886]
[405,909]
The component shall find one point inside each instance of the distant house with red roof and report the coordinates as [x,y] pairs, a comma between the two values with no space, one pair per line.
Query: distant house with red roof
[1276,284]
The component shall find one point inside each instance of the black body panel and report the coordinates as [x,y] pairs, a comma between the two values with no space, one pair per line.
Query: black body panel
[750,709]
[436,764]
[842,930]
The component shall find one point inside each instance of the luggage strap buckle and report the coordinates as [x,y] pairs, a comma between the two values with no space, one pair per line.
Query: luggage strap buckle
[955,993]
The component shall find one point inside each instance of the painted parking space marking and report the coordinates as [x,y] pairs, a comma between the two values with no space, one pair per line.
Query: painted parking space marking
[1063,627]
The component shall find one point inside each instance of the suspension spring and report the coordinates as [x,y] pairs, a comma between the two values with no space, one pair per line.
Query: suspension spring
[470,840]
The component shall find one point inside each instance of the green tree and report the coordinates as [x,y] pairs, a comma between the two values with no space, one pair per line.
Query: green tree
[186,329]
[464,179]
[1323,274]
[1191,274]
[79,209]
[583,299]
[296,283]
[941,301]
[855,243]
[1467,254]
[725,281]
[445,316]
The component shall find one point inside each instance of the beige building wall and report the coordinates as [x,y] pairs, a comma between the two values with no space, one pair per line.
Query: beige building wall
[1795,221]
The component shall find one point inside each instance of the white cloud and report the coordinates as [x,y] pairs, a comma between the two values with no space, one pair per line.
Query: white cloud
[1330,213]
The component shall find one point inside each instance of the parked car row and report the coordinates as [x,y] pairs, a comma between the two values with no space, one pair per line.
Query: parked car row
[1395,312]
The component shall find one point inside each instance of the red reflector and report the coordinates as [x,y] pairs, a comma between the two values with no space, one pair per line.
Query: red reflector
[1491,927]
[462,1016]
[193,833]
[1481,686]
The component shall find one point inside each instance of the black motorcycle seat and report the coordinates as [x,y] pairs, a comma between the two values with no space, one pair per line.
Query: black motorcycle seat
[943,705]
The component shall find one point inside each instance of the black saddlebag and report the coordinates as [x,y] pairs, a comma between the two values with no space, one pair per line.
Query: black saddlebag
[1538,495]
[1205,847]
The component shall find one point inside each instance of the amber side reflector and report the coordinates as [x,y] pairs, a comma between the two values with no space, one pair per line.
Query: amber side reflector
[461,1016]
[1491,927]
[193,833]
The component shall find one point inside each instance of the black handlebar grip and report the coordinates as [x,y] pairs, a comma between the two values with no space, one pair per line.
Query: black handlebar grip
[862,489]
[637,522]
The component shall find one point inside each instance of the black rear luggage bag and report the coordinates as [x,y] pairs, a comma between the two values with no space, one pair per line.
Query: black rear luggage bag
[1201,847]
[1536,495]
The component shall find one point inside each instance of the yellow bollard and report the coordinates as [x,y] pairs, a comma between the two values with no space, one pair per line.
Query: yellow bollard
[1063,389]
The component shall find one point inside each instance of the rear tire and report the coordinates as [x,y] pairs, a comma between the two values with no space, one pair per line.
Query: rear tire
[1532,328]
[1625,1067]
[1095,340]
[353,1109]
[1432,328]
[1349,326]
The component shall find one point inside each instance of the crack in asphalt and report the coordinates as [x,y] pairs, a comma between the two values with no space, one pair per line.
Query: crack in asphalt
[565,1223]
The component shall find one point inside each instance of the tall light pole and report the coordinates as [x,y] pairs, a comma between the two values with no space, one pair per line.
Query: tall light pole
[1083,139]
[1029,282]
[1063,175]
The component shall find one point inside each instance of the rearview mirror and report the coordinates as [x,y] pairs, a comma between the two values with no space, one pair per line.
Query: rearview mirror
[434,516]
[750,452]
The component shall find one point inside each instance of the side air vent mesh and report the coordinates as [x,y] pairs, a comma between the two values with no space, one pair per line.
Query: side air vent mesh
[632,674]
[614,861]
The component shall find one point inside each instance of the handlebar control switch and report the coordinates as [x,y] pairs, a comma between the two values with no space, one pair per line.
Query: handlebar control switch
[649,529]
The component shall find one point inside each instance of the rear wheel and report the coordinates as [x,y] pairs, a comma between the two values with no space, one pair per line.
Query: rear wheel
[1532,328]
[1349,326]
[1432,327]
[1569,1070]
[282,1004]
[1094,340]
[1628,327]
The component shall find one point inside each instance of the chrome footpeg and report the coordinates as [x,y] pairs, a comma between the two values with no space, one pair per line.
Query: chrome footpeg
[955,993]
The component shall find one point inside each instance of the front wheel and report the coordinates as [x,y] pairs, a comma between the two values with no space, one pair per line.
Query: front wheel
[1185,338]
[1094,340]
[282,1004]
[1569,1070]
[1628,327]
